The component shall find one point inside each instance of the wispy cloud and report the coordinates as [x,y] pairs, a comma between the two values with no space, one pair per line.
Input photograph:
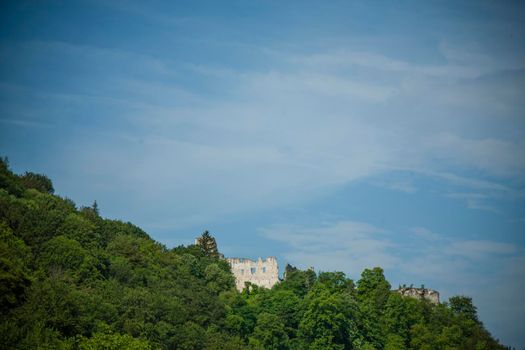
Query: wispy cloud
[382,63]
[468,182]
[475,201]
[495,156]
[480,249]
[335,245]
[276,136]
[25,123]
[426,234]
[402,186]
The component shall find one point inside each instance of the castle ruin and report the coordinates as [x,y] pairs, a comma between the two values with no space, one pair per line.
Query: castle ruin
[420,294]
[263,273]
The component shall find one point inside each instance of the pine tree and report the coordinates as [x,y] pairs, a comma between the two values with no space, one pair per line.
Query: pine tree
[208,244]
[95,207]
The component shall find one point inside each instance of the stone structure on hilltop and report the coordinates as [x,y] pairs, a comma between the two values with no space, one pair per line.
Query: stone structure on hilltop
[420,293]
[263,273]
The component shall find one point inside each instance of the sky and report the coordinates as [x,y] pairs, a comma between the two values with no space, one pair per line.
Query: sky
[340,135]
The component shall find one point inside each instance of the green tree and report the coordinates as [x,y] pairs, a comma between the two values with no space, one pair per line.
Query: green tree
[269,333]
[64,254]
[37,181]
[241,316]
[422,338]
[394,342]
[463,306]
[337,282]
[9,181]
[300,282]
[112,341]
[190,336]
[94,206]
[215,340]
[80,229]
[400,314]
[208,244]
[450,338]
[14,273]
[217,279]
[329,318]
[373,288]
[283,303]
[373,291]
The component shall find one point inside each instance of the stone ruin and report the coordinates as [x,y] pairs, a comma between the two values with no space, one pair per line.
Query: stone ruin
[420,293]
[263,273]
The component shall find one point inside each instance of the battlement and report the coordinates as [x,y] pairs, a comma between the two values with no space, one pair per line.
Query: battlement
[420,293]
[264,273]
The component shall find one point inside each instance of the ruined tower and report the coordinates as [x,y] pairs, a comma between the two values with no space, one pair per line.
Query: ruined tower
[264,273]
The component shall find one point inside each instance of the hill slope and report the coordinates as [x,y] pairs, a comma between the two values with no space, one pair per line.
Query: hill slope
[71,279]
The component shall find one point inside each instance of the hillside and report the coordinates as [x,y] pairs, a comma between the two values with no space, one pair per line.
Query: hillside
[71,279]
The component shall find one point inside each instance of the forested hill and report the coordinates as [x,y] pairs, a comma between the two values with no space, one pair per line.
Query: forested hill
[71,279]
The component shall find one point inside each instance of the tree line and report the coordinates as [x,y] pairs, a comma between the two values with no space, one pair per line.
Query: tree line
[70,279]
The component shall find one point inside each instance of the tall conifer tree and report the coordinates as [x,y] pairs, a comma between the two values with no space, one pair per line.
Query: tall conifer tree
[208,244]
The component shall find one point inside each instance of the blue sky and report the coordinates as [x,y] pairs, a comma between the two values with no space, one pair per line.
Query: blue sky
[339,135]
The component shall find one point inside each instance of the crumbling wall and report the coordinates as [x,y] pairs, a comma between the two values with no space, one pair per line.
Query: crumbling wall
[420,293]
[264,273]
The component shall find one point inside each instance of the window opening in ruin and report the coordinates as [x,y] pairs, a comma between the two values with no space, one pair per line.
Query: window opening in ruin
[264,269]
[253,269]
[242,271]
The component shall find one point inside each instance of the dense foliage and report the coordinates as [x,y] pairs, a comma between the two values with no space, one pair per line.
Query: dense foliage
[70,279]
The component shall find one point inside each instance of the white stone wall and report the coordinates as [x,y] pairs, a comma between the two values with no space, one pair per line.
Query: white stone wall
[420,293]
[264,273]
